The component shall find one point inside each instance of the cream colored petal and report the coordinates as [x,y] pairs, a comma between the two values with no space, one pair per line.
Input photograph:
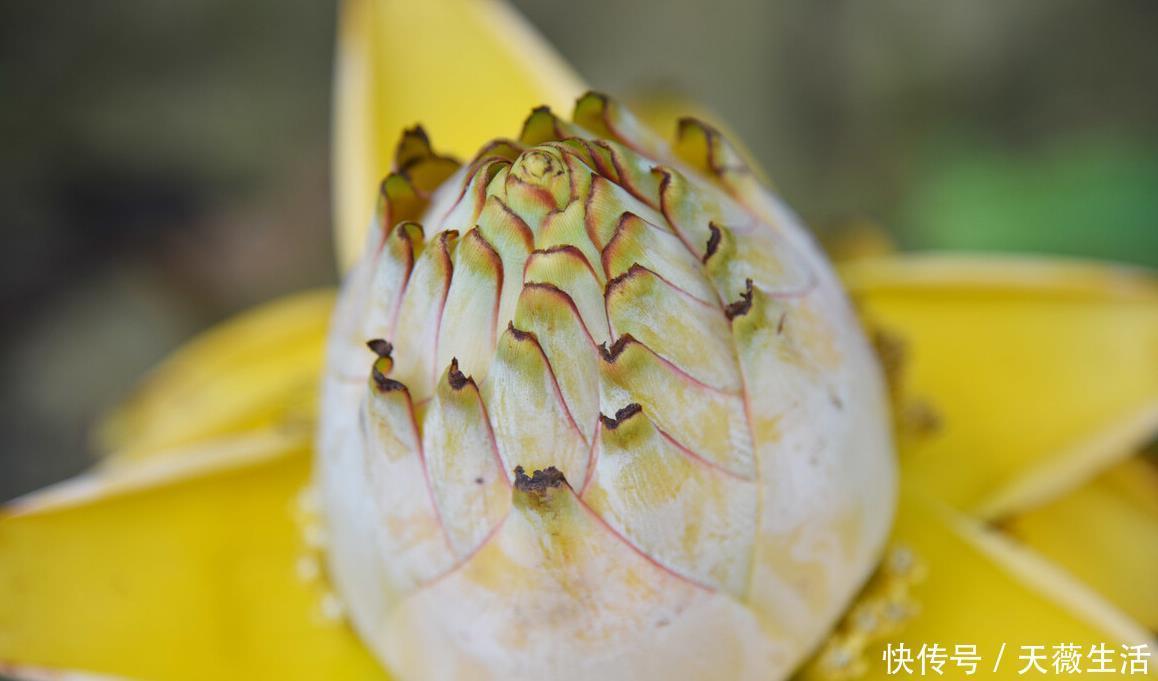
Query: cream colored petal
[707,422]
[533,424]
[420,317]
[567,269]
[467,478]
[692,518]
[552,570]
[551,314]
[470,320]
[685,331]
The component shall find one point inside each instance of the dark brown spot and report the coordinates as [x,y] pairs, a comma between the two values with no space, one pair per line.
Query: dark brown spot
[713,241]
[620,416]
[455,377]
[616,349]
[540,481]
[380,347]
[479,481]
[519,334]
[384,384]
[741,306]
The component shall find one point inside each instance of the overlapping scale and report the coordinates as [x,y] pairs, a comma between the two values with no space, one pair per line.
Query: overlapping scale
[757,254]
[513,240]
[686,332]
[551,315]
[420,314]
[695,519]
[638,242]
[533,425]
[389,274]
[467,478]
[414,546]
[606,204]
[470,317]
[709,423]
[568,269]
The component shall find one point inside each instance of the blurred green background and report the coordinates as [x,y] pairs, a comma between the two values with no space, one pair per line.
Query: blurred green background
[165,164]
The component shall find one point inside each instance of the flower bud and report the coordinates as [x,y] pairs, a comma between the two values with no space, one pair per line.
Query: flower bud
[596,407]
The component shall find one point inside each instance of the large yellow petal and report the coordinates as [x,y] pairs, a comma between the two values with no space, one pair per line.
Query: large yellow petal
[163,571]
[467,70]
[1106,533]
[260,368]
[1031,375]
[950,581]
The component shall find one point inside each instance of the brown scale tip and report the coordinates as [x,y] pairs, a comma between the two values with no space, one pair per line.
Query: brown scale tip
[592,94]
[416,131]
[713,241]
[610,354]
[634,271]
[620,416]
[456,378]
[539,481]
[384,384]
[380,347]
[519,334]
[741,306]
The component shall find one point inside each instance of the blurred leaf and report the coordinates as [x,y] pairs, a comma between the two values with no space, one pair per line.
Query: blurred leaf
[1093,197]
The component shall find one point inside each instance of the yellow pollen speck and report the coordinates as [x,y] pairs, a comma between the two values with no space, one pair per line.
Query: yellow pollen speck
[331,608]
[308,568]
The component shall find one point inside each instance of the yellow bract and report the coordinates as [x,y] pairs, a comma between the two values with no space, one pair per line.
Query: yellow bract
[1031,375]
[1106,533]
[465,69]
[257,370]
[203,576]
[963,584]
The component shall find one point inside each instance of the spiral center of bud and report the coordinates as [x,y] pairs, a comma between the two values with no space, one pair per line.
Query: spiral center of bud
[540,183]
[538,165]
